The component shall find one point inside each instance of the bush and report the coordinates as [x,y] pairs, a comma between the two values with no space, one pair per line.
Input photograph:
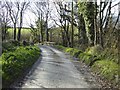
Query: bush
[95,50]
[69,50]
[108,69]
[103,62]
[15,43]
[87,58]
[60,47]
[76,52]
[110,54]
[15,63]
[10,45]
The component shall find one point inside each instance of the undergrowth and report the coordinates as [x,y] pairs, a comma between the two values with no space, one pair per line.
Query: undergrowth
[14,63]
[102,61]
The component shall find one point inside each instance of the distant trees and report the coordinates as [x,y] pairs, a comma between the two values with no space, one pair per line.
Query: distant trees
[89,21]
[23,6]
[42,12]
[15,11]
[5,20]
[66,20]
[40,29]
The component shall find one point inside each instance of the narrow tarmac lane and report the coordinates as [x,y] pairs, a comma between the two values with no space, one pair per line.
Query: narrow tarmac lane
[55,70]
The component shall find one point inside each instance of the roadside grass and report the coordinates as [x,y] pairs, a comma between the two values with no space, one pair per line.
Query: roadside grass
[102,62]
[108,69]
[15,60]
[10,46]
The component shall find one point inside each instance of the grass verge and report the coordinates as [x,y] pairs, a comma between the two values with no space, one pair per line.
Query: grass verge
[14,63]
[101,62]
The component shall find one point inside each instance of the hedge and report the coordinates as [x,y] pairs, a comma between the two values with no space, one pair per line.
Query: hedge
[102,62]
[15,63]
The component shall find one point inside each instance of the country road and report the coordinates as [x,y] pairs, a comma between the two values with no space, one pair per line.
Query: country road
[54,70]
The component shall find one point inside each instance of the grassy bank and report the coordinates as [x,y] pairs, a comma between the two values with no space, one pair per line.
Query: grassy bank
[15,60]
[102,62]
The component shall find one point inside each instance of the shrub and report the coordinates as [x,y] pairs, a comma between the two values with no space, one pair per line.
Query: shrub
[15,63]
[108,69]
[95,50]
[60,47]
[10,45]
[15,43]
[69,50]
[87,58]
[76,52]
[103,62]
[110,54]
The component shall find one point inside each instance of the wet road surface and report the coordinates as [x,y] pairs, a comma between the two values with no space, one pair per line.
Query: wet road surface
[54,70]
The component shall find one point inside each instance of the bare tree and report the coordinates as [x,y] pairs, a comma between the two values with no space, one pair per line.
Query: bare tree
[95,24]
[5,20]
[118,16]
[23,7]
[104,19]
[40,22]
[42,12]
[72,35]
[46,9]
[13,8]
[63,20]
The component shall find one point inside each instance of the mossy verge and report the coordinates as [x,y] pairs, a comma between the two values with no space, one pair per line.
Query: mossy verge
[17,62]
[108,70]
[100,60]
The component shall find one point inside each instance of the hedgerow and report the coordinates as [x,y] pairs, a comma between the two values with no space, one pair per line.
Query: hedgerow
[102,62]
[16,62]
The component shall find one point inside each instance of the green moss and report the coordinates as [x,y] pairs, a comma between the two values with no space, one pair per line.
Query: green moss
[69,50]
[60,47]
[15,63]
[76,52]
[81,55]
[110,54]
[102,62]
[87,58]
[95,50]
[108,69]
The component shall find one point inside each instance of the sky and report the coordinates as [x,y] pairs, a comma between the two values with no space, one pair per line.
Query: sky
[29,17]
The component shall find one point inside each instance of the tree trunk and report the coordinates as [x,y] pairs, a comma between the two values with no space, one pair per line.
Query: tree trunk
[47,35]
[41,29]
[100,29]
[67,34]
[20,27]
[51,35]
[72,34]
[14,31]
[4,32]
[83,40]
[95,23]
[63,38]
